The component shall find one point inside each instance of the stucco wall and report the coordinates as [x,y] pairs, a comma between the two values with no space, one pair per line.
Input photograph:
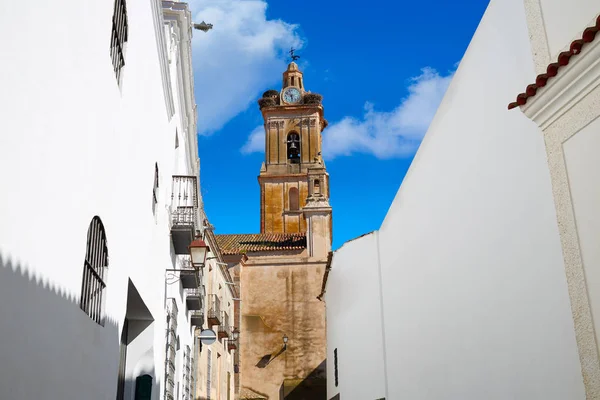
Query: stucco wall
[474,293]
[583,169]
[564,21]
[279,299]
[354,322]
[473,282]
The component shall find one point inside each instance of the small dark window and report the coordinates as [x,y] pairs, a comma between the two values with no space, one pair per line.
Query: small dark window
[293,81]
[293,148]
[176,139]
[143,387]
[94,269]
[335,367]
[119,37]
[317,187]
[293,198]
[300,82]
[155,189]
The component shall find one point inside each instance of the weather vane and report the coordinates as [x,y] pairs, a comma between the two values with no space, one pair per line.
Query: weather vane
[293,56]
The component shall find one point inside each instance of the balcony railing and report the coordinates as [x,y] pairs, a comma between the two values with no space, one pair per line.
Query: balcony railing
[232,344]
[196,318]
[184,212]
[193,298]
[190,277]
[214,310]
[224,328]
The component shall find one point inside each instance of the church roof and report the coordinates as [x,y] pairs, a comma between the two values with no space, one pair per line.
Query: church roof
[563,59]
[241,243]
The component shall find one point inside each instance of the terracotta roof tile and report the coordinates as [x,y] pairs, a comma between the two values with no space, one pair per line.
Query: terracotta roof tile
[563,59]
[241,243]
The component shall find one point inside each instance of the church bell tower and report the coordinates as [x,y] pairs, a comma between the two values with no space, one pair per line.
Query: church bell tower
[294,183]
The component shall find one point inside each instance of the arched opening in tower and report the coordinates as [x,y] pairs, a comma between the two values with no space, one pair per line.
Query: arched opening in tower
[293,148]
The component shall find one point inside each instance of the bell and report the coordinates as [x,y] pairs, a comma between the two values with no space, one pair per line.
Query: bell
[293,146]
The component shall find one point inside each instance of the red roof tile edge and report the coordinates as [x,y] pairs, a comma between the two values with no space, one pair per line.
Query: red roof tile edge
[563,59]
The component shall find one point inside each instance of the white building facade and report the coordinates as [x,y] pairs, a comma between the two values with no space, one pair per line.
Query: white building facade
[101,199]
[480,283]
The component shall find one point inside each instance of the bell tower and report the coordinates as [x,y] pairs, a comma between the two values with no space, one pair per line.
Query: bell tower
[294,183]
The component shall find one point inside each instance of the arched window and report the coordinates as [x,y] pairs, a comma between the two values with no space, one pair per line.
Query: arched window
[293,147]
[317,187]
[94,271]
[293,195]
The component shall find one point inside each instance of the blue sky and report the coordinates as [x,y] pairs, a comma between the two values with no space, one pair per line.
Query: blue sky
[382,68]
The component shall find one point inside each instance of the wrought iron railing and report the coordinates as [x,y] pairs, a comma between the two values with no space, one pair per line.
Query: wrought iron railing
[197,314]
[184,200]
[196,292]
[171,335]
[214,306]
[224,327]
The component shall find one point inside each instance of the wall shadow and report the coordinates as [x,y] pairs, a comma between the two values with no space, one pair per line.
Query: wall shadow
[313,387]
[49,348]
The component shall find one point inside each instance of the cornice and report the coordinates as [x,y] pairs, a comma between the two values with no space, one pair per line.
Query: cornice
[180,14]
[575,81]
[161,44]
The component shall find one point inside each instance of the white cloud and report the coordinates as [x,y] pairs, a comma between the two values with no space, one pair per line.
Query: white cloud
[396,133]
[238,59]
[255,142]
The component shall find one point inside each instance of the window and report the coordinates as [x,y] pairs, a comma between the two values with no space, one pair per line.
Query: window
[335,367]
[317,187]
[118,37]
[293,81]
[155,189]
[94,268]
[293,147]
[293,198]
[176,139]
[300,82]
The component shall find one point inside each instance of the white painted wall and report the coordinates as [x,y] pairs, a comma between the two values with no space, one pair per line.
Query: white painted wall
[566,21]
[583,169]
[74,145]
[475,302]
[354,324]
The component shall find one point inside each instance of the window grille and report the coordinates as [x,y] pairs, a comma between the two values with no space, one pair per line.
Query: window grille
[94,268]
[186,373]
[118,37]
[171,349]
[155,189]
[335,366]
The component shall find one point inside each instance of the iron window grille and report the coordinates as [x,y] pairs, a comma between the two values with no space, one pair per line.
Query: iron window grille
[335,366]
[119,37]
[155,190]
[95,265]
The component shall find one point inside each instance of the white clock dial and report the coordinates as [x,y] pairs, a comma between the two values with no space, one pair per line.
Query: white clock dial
[291,95]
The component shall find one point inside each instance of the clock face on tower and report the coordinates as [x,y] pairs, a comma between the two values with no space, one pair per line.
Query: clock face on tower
[291,95]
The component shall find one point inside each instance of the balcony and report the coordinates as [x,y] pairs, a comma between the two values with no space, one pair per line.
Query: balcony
[224,328]
[183,212]
[232,344]
[214,310]
[196,318]
[193,298]
[188,275]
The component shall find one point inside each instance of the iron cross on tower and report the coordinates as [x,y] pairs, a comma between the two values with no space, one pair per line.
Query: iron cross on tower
[293,56]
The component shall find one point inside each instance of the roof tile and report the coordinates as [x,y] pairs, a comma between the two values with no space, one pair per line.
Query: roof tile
[241,243]
[563,59]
